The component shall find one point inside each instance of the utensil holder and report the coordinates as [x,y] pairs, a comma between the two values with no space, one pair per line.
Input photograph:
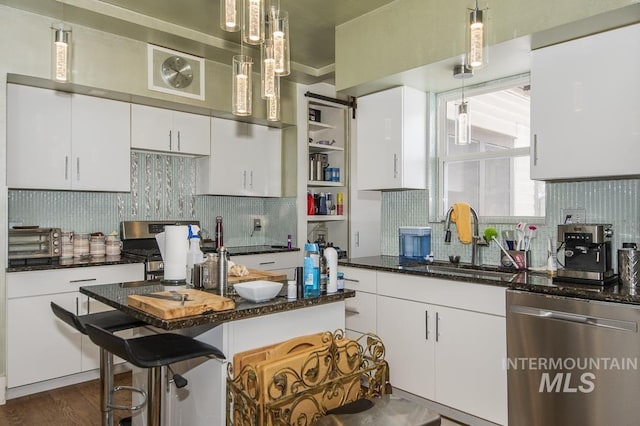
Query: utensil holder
[521,257]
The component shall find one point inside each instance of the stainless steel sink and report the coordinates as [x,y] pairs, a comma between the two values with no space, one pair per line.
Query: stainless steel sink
[465,271]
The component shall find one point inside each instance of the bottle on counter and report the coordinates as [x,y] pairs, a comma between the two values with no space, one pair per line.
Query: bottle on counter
[219,236]
[340,281]
[289,241]
[194,255]
[323,272]
[292,290]
[311,270]
[331,259]
[223,271]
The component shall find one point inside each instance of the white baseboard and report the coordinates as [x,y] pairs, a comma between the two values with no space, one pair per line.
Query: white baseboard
[59,382]
[3,390]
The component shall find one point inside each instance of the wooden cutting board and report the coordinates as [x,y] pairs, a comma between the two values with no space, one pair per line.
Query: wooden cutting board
[256,274]
[199,302]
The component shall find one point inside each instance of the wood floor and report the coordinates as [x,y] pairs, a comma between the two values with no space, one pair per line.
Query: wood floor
[68,406]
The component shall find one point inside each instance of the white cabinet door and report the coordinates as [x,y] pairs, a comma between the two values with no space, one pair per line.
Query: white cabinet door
[38,138]
[470,351]
[245,160]
[265,165]
[407,331]
[163,130]
[40,347]
[191,133]
[584,117]
[100,135]
[151,128]
[392,140]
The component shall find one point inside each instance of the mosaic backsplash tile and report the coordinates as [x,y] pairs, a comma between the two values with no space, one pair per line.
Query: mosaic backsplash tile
[162,188]
[607,201]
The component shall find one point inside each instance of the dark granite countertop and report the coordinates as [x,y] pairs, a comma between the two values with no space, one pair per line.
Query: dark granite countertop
[115,295]
[57,263]
[491,275]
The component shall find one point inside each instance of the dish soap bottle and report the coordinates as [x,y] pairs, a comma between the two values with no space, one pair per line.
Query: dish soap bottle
[194,255]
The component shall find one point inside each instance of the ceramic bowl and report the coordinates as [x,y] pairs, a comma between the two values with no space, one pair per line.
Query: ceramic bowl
[258,291]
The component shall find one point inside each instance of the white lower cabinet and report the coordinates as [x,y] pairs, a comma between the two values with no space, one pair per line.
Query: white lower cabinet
[360,311]
[41,347]
[445,341]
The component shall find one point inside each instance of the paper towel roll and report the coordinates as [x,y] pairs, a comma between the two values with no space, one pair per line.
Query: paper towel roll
[176,246]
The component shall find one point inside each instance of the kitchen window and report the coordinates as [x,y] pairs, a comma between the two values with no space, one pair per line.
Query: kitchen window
[492,172]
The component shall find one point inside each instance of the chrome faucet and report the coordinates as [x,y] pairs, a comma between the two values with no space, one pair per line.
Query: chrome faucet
[476,240]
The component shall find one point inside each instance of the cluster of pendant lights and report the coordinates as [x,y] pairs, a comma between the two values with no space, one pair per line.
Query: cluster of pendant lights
[475,58]
[268,27]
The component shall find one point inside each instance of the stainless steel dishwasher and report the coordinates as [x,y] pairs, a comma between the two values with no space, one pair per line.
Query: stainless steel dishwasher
[572,361]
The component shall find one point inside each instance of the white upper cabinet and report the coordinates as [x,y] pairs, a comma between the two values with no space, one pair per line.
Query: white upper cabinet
[245,160]
[585,107]
[163,130]
[58,140]
[392,140]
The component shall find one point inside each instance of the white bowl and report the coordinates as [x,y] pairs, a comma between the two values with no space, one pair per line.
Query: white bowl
[258,291]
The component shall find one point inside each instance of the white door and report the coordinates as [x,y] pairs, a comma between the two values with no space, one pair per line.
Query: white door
[470,353]
[151,128]
[191,133]
[38,138]
[265,161]
[230,152]
[407,331]
[100,135]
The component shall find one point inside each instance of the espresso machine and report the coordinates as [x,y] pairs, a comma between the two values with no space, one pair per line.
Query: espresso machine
[587,254]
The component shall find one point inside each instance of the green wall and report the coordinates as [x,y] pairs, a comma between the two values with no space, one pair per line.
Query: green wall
[407,34]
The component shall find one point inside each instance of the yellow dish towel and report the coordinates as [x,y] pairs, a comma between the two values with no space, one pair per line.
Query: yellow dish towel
[461,216]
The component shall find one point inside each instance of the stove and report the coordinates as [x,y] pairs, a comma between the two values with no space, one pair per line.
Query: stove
[139,241]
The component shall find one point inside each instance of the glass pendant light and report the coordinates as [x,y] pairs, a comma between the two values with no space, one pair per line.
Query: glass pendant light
[476,38]
[229,16]
[273,103]
[253,18]
[61,54]
[463,124]
[280,34]
[267,70]
[241,91]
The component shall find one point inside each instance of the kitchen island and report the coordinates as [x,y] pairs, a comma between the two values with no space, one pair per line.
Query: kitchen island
[247,326]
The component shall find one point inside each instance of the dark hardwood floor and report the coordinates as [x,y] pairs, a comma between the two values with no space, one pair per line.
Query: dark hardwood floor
[68,406]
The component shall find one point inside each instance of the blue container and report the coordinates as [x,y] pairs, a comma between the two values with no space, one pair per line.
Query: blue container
[414,243]
[311,270]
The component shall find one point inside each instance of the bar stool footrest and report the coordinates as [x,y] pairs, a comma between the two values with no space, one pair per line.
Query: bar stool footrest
[131,389]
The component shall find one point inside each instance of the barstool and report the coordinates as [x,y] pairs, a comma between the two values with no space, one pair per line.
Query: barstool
[112,321]
[153,352]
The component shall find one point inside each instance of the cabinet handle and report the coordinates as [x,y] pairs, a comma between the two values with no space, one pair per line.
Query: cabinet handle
[535,150]
[77,306]
[437,326]
[351,280]
[88,305]
[179,140]
[251,180]
[82,280]
[353,311]
[267,263]
[66,167]
[426,325]
[357,238]
[244,179]
[169,140]
[395,165]
[78,168]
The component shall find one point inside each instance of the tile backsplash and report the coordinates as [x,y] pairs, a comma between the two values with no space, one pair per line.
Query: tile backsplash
[605,201]
[162,187]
